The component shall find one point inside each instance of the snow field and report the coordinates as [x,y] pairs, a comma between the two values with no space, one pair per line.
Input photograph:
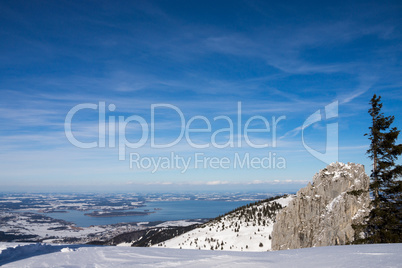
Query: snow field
[38,255]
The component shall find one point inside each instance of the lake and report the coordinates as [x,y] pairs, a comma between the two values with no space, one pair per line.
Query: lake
[169,211]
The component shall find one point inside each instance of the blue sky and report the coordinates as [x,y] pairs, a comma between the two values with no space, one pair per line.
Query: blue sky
[203,57]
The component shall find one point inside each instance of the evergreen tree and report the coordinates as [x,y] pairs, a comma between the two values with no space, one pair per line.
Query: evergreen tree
[384,223]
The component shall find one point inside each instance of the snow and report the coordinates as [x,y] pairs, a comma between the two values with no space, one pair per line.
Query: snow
[285,201]
[359,213]
[340,170]
[334,201]
[39,255]
[181,223]
[124,244]
[67,249]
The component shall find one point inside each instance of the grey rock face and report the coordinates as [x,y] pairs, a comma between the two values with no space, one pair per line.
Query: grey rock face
[322,213]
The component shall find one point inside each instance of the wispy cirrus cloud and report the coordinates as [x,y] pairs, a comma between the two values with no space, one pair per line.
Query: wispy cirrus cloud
[276,59]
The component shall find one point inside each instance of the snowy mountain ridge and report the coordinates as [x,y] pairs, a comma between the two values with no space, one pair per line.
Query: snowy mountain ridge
[247,228]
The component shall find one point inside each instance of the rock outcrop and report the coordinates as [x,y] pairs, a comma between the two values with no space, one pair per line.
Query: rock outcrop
[322,213]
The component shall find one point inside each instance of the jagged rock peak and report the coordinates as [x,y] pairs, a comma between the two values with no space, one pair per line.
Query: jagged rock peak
[323,212]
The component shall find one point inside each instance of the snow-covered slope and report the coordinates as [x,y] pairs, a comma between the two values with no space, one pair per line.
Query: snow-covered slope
[384,255]
[246,229]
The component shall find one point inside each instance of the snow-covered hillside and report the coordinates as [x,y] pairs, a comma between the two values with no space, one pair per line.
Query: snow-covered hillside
[39,255]
[245,229]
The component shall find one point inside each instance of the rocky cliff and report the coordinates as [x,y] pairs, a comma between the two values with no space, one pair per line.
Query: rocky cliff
[323,212]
